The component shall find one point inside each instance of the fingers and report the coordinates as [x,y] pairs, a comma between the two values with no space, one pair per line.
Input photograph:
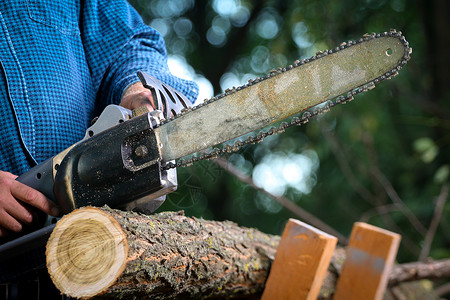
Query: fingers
[33,197]
[143,99]
[8,204]
[3,232]
[7,175]
[18,211]
[138,100]
[9,223]
[137,96]
[14,197]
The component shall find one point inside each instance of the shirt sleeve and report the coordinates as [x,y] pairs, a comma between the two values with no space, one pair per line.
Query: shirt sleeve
[117,44]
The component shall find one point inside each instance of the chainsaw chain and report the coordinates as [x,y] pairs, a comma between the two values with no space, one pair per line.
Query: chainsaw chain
[306,116]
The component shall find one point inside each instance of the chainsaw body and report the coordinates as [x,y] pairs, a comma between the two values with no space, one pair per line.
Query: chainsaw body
[119,166]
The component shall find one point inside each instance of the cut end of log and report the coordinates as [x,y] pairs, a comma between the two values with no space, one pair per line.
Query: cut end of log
[86,253]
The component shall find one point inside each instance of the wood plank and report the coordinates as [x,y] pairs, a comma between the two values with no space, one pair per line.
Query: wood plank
[369,258]
[300,264]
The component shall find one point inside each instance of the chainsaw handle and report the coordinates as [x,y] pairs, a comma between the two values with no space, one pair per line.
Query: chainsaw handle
[40,178]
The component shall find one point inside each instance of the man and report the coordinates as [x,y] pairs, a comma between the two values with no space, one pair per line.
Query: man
[61,63]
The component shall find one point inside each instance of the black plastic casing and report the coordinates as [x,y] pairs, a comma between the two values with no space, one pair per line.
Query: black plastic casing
[107,170]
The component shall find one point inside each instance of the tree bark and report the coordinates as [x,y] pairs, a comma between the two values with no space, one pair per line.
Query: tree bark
[420,270]
[169,256]
[105,253]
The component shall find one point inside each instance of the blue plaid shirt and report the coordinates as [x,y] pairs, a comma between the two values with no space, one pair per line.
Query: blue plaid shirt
[61,63]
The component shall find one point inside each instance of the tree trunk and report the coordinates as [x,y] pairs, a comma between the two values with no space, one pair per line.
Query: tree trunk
[169,256]
[105,253]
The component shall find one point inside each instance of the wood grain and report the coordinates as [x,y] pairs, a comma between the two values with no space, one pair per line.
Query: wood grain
[86,252]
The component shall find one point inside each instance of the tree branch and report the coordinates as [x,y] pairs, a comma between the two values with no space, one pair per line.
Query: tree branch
[438,209]
[345,168]
[285,202]
[379,210]
[443,289]
[365,194]
[420,270]
[390,191]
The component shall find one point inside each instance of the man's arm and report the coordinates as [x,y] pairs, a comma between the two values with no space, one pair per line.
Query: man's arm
[118,44]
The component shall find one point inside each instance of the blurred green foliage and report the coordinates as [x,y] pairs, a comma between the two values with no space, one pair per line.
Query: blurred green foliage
[392,141]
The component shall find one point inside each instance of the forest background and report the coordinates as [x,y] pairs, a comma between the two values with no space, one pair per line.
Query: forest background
[384,158]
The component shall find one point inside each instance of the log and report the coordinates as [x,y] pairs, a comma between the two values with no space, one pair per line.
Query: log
[119,254]
[169,256]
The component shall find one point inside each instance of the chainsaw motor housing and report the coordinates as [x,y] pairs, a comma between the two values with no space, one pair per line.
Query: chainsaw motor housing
[121,167]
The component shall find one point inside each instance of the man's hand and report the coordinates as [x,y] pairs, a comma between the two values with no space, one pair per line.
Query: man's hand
[136,95]
[13,196]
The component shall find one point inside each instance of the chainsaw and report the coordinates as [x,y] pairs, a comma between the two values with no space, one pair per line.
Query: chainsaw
[128,159]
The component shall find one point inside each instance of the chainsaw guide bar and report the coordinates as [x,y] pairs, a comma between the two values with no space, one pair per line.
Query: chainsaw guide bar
[329,78]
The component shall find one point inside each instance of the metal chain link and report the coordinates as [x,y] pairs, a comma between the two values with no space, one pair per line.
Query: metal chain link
[306,116]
